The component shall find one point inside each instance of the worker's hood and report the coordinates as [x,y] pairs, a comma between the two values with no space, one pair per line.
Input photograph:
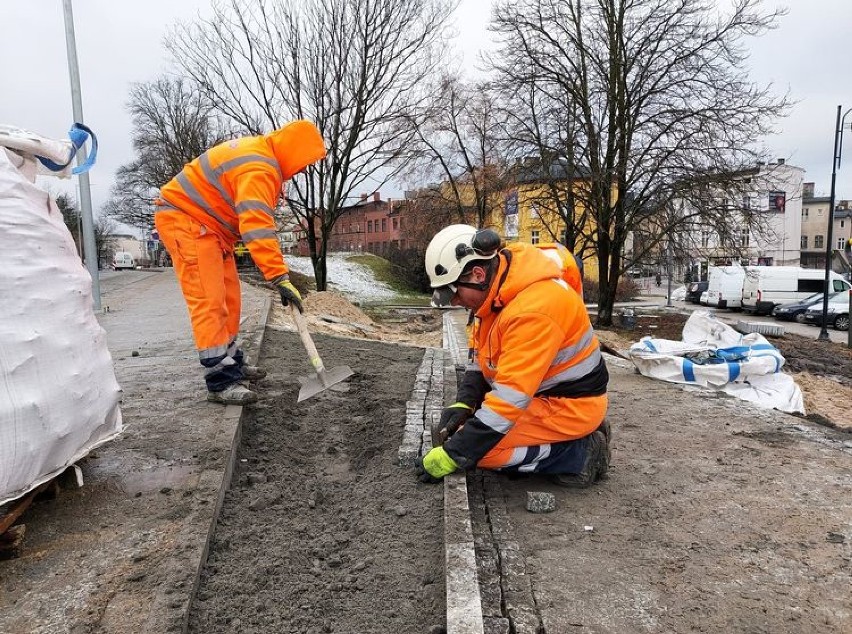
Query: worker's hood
[296,145]
[526,265]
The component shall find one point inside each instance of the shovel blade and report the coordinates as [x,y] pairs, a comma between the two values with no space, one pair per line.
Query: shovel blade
[313,385]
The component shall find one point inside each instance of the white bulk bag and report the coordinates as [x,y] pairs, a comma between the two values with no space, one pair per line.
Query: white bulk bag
[713,355]
[58,393]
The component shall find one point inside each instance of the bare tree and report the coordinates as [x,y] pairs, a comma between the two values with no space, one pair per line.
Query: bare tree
[660,108]
[456,139]
[541,136]
[104,228]
[357,68]
[172,125]
[71,217]
[105,239]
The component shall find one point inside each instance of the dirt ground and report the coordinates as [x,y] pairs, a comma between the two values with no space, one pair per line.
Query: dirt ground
[823,370]
[714,518]
[322,531]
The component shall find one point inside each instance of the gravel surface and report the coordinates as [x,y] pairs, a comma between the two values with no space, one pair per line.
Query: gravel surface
[321,530]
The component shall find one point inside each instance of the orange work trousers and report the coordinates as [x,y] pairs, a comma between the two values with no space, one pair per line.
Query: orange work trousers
[208,277]
[548,422]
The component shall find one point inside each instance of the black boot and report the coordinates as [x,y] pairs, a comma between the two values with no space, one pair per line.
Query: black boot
[596,444]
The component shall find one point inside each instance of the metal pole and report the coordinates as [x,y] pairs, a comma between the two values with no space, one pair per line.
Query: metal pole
[669,274]
[90,251]
[823,333]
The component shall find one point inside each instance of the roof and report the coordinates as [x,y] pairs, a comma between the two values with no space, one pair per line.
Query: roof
[531,171]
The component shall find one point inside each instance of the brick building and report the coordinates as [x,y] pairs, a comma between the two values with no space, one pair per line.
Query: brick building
[371,225]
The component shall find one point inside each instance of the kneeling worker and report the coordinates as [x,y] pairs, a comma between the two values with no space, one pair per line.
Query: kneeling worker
[228,194]
[533,397]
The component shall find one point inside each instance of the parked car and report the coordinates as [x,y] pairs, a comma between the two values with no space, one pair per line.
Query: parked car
[766,287]
[795,311]
[837,315]
[694,290]
[725,286]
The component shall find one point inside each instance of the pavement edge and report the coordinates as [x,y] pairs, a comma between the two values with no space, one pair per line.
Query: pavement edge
[464,602]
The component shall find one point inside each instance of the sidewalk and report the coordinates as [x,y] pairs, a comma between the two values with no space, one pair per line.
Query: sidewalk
[121,554]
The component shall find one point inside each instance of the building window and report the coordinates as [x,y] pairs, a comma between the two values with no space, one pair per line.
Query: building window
[743,237]
[841,223]
[563,237]
[534,211]
[804,242]
[369,226]
[804,212]
[384,225]
[818,242]
[534,236]
[705,238]
[841,243]
[395,224]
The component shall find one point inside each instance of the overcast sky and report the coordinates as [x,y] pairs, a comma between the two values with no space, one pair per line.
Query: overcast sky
[120,42]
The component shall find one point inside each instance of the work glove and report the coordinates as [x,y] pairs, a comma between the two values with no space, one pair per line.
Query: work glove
[289,293]
[452,418]
[435,465]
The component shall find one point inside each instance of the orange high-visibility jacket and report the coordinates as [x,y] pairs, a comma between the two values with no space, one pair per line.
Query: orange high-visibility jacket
[233,188]
[536,350]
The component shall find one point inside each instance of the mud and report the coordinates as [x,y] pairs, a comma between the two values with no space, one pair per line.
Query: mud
[321,530]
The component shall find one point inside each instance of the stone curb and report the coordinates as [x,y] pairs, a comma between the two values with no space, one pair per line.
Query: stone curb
[464,601]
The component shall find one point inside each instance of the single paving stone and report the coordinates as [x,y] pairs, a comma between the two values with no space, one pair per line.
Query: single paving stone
[540,502]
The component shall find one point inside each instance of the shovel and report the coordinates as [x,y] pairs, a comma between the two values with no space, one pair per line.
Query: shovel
[325,378]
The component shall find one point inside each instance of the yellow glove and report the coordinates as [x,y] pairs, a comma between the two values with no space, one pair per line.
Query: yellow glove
[288,292]
[435,465]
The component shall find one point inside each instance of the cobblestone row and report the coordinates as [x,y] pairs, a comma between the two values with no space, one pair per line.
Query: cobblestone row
[426,403]
[508,603]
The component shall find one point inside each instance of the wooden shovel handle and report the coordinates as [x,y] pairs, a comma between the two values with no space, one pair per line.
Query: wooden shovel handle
[302,327]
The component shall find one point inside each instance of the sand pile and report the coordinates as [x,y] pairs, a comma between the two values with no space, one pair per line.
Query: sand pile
[331,313]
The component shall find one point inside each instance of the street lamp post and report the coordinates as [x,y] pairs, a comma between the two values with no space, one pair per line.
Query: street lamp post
[835,163]
[87,240]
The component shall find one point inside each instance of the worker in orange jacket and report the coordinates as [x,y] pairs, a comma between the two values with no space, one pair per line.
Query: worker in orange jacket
[229,194]
[533,397]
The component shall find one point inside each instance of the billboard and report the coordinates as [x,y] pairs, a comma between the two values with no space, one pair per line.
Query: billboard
[777,201]
[510,217]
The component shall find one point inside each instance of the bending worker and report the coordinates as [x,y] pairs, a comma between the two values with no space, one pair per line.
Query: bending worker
[229,194]
[533,397]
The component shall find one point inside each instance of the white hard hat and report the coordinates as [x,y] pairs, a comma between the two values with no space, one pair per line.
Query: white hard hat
[452,248]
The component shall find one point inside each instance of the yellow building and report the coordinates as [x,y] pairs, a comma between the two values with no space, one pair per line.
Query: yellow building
[529,212]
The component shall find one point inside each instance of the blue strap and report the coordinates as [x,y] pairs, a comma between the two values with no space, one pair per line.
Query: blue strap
[78,134]
[733,371]
[688,370]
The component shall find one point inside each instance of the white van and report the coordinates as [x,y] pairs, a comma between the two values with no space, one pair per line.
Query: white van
[725,286]
[123,260]
[765,287]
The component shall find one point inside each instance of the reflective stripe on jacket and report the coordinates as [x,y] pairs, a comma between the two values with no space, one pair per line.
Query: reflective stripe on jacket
[233,188]
[532,335]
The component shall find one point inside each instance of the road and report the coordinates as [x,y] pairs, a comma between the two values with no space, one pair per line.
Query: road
[652,295]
